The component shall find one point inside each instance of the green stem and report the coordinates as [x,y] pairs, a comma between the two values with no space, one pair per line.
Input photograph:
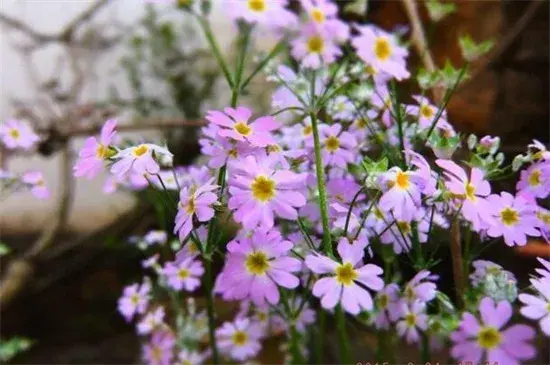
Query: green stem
[297,356]
[210,310]
[275,51]
[215,49]
[425,350]
[327,246]
[342,336]
[318,341]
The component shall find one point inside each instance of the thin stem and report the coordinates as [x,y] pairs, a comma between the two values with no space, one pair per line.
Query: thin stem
[286,109]
[425,350]
[446,99]
[399,119]
[215,49]
[327,246]
[319,339]
[456,259]
[348,217]
[342,335]
[210,311]
[274,52]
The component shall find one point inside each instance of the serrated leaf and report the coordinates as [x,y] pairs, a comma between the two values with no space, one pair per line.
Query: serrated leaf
[438,11]
[470,50]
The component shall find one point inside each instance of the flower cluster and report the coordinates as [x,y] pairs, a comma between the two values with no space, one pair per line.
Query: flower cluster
[332,201]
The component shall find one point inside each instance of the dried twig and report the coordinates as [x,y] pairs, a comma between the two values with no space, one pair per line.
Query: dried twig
[418,39]
[20,270]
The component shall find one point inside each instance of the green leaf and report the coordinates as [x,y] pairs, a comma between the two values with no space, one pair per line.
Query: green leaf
[427,80]
[4,249]
[15,345]
[450,75]
[437,11]
[472,51]
[358,7]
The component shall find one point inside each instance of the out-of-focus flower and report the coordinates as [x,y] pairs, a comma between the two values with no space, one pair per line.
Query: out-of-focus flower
[488,339]
[35,181]
[134,300]
[240,339]
[139,159]
[151,321]
[414,318]
[381,51]
[94,152]
[537,307]
[535,180]
[155,237]
[314,48]
[195,202]
[388,306]
[18,134]
[324,15]
[420,288]
[160,348]
[184,274]
[266,13]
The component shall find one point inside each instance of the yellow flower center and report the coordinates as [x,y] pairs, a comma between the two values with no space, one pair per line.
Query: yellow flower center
[262,316]
[383,301]
[548,307]
[410,320]
[509,216]
[378,213]
[183,274]
[409,293]
[382,49]
[318,15]
[534,177]
[140,150]
[404,227]
[493,270]
[257,5]
[470,192]
[232,153]
[315,44]
[240,338]
[332,144]
[273,148]
[134,299]
[402,180]
[361,123]
[192,247]
[101,151]
[307,130]
[369,70]
[190,208]
[257,263]
[426,111]
[242,128]
[489,338]
[545,218]
[14,133]
[346,274]
[263,188]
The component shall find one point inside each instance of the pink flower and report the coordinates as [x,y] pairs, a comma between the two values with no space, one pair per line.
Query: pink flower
[324,15]
[483,268]
[93,154]
[507,346]
[421,288]
[535,180]
[134,300]
[195,202]
[470,190]
[536,307]
[184,274]
[221,150]
[341,285]
[403,195]
[35,181]
[17,134]
[414,317]
[160,348]
[514,219]
[152,320]
[139,159]
[388,306]
[425,112]
[381,51]
[259,190]
[240,339]
[544,273]
[256,265]
[268,13]
[234,125]
[313,48]
[338,147]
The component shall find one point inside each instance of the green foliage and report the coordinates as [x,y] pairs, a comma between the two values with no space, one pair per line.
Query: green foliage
[438,11]
[471,51]
[4,249]
[15,345]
